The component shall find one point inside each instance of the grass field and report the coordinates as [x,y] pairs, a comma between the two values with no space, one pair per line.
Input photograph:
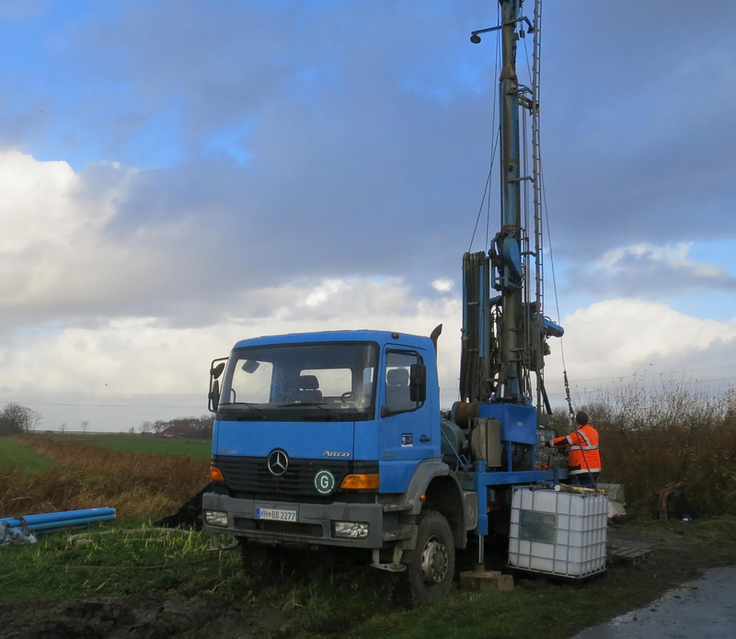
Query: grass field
[300,596]
[147,445]
[13,453]
[84,475]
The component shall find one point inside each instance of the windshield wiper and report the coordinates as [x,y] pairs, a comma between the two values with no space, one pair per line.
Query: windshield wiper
[263,415]
[317,404]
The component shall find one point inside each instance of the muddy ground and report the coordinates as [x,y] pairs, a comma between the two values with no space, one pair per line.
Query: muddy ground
[139,617]
[675,558]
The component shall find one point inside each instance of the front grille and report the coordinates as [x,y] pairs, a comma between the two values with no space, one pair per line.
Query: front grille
[249,476]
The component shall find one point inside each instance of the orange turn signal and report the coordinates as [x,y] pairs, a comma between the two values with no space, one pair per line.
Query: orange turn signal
[360,482]
[216,474]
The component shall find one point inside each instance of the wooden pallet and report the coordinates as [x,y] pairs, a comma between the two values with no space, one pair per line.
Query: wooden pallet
[630,552]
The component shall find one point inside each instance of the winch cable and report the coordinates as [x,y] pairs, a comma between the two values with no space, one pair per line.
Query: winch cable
[482,202]
[568,399]
[545,212]
[495,142]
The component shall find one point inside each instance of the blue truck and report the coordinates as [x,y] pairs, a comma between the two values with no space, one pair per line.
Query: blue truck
[338,439]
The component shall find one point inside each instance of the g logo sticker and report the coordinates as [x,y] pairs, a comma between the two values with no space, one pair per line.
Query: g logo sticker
[324,482]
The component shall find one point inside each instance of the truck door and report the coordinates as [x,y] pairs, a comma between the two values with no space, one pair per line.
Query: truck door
[405,426]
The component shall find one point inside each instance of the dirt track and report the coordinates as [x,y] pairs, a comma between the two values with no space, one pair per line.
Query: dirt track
[703,608]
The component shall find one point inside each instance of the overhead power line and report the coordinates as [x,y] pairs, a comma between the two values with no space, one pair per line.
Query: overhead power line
[202,406]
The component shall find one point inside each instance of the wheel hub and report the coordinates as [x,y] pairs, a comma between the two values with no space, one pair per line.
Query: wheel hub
[434,561]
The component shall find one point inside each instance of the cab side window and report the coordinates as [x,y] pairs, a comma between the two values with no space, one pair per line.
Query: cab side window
[398,367]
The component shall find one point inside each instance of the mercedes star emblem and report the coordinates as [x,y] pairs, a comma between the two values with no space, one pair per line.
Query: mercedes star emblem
[278,462]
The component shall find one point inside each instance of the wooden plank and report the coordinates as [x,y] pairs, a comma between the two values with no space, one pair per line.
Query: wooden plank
[629,552]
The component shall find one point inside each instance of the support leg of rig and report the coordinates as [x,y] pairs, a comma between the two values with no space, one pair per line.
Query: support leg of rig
[481,553]
[482,579]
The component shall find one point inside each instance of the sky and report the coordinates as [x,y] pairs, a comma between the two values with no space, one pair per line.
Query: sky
[177,175]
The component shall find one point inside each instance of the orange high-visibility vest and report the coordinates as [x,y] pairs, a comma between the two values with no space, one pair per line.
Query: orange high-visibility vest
[584,455]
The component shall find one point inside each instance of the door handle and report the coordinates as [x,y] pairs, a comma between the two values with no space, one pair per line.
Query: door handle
[424,439]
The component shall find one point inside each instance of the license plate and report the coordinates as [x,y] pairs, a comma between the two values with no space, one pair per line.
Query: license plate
[275,514]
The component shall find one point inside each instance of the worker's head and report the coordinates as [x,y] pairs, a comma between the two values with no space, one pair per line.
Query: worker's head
[581,418]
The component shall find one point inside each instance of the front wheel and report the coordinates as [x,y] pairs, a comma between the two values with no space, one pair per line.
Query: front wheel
[431,566]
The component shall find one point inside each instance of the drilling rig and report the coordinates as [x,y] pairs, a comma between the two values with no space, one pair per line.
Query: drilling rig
[337,439]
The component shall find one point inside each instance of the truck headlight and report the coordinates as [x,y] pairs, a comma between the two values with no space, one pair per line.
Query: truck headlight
[215,517]
[350,529]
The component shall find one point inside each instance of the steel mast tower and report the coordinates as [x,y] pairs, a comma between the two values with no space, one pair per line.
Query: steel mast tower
[510,385]
[503,339]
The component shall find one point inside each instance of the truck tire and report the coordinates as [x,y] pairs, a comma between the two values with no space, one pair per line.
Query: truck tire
[431,567]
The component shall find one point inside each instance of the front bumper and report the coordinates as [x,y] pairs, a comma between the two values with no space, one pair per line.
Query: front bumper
[313,521]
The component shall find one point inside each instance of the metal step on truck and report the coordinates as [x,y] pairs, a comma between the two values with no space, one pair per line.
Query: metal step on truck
[337,438]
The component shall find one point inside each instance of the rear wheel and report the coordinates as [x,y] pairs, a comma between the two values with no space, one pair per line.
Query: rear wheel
[431,567]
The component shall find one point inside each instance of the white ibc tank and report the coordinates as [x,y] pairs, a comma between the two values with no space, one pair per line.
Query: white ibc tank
[558,533]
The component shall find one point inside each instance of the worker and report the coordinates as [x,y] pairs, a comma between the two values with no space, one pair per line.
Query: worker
[584,464]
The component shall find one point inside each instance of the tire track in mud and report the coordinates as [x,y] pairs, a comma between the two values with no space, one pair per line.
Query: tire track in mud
[142,617]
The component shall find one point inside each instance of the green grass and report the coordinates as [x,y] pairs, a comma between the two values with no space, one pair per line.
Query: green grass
[13,452]
[113,564]
[309,601]
[560,610]
[717,530]
[147,444]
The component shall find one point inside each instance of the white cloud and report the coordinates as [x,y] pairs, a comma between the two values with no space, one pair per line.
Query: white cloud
[443,285]
[78,304]
[124,360]
[141,361]
[323,292]
[55,253]
[620,334]
[614,339]
[80,297]
[672,256]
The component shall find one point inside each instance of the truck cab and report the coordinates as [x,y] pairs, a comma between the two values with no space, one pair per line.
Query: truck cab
[333,438]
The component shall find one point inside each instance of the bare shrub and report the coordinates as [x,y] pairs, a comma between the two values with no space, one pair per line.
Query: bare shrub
[650,438]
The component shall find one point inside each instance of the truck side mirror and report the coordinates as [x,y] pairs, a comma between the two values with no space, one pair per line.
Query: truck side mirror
[214,396]
[418,383]
[216,368]
[216,371]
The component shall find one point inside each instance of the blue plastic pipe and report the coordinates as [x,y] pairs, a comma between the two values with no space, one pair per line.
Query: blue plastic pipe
[91,514]
[54,525]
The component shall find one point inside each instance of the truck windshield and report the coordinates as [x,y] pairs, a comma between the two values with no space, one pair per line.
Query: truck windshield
[302,382]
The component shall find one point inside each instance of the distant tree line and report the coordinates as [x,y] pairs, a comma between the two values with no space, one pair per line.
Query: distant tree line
[15,418]
[197,427]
